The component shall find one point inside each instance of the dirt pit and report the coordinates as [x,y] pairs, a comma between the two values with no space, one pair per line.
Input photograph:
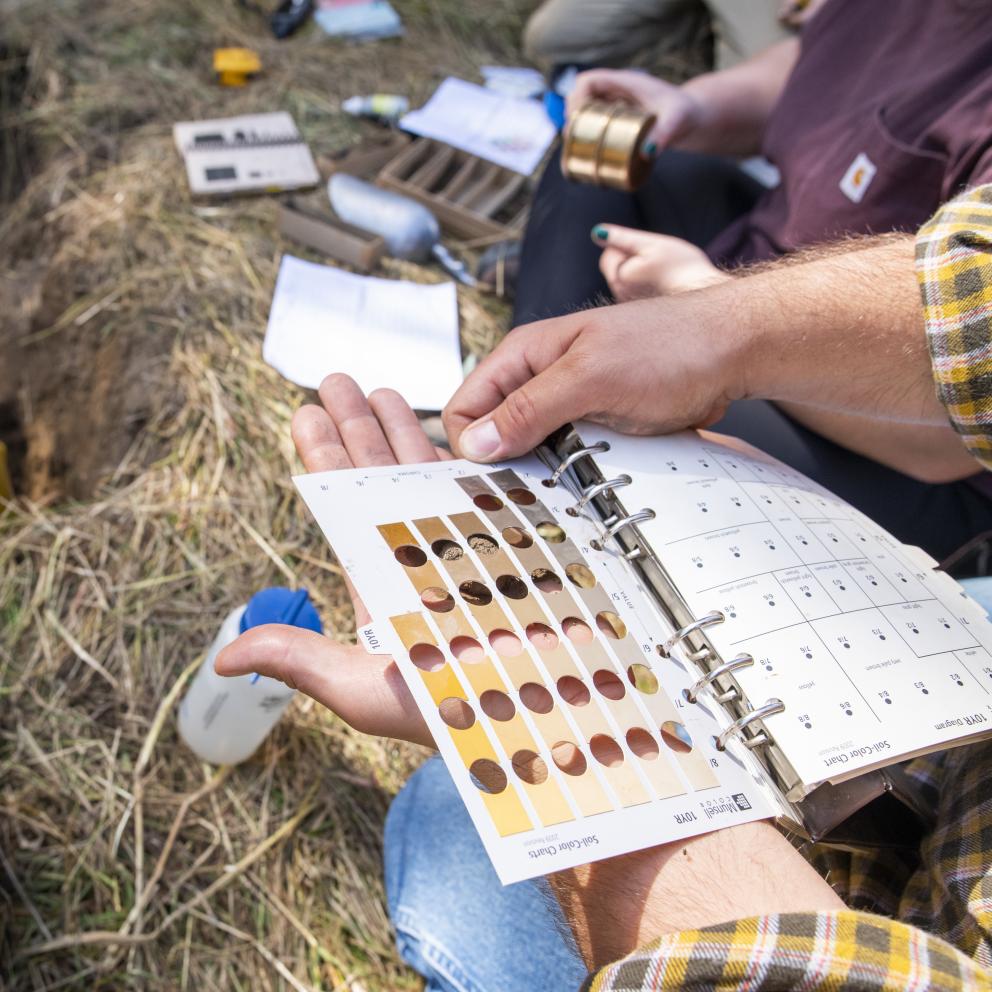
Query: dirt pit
[74,397]
[74,392]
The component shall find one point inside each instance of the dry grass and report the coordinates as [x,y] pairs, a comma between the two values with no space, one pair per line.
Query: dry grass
[130,338]
[125,863]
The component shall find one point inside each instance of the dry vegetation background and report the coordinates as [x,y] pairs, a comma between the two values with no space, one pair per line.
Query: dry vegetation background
[152,460]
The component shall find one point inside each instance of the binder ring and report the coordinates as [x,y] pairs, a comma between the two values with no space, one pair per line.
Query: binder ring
[593,491]
[615,528]
[598,448]
[741,661]
[770,708]
[683,632]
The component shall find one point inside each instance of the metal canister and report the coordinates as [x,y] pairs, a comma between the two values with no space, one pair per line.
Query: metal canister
[602,146]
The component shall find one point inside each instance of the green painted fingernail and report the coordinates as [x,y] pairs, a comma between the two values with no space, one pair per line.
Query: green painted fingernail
[649,149]
[600,233]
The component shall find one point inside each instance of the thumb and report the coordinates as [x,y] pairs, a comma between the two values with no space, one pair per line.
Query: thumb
[626,239]
[559,394]
[366,691]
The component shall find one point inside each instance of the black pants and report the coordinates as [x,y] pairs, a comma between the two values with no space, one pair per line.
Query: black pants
[689,196]
[695,197]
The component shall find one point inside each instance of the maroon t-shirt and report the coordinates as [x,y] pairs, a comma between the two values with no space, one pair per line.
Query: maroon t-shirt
[887,114]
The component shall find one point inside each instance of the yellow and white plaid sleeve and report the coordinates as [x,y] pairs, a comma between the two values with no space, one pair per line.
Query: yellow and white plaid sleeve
[954,268]
[816,952]
[920,921]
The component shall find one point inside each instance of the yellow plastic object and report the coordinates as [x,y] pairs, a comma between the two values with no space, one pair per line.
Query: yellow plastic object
[6,488]
[234,65]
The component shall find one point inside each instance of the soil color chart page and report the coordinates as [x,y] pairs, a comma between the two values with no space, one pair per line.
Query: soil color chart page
[533,659]
[873,653]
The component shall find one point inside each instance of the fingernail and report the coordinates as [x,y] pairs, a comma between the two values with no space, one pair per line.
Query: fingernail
[600,233]
[650,149]
[480,440]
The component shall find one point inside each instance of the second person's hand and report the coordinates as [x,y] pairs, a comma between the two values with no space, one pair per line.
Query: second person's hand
[366,691]
[640,264]
[677,110]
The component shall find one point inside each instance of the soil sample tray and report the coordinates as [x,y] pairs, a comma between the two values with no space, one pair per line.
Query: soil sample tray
[364,160]
[473,199]
[325,232]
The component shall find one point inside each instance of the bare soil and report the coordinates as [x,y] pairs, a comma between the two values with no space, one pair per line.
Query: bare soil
[73,399]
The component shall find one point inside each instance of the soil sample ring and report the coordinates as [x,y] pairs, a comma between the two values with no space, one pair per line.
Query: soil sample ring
[602,146]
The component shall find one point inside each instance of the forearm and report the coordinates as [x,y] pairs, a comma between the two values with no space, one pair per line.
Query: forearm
[925,453]
[738,101]
[616,905]
[841,331]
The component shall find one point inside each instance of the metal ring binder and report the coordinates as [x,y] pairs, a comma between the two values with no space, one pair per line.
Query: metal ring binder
[628,521]
[594,449]
[769,708]
[683,632]
[593,491]
[741,661]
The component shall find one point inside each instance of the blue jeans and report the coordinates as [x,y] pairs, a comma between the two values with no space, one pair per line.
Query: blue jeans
[455,923]
[980,591]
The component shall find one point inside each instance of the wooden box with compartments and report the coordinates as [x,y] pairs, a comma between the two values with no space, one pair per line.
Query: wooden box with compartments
[474,200]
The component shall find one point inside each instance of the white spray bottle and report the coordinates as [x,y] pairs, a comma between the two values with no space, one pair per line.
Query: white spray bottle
[224,719]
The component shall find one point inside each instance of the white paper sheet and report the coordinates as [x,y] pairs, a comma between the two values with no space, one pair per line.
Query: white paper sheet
[513,80]
[875,655]
[381,332]
[511,132]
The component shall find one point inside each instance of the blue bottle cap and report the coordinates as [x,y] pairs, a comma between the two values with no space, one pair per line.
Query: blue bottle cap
[281,605]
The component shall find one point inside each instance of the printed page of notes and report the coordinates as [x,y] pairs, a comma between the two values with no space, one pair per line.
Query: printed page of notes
[509,131]
[533,660]
[382,332]
[874,653]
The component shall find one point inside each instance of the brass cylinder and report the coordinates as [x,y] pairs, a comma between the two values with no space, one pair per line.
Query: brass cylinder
[602,146]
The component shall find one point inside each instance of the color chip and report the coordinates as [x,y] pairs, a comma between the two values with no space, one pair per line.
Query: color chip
[505,807]
[536,607]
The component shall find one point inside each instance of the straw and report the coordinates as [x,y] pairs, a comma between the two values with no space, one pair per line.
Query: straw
[156,497]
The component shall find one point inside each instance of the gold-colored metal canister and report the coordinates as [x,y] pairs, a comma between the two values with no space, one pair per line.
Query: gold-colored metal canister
[602,146]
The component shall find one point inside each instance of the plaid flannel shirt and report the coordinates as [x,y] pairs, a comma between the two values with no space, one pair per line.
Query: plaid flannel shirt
[954,267]
[914,923]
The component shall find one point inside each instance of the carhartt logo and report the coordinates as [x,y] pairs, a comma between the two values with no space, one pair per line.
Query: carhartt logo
[858,178]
